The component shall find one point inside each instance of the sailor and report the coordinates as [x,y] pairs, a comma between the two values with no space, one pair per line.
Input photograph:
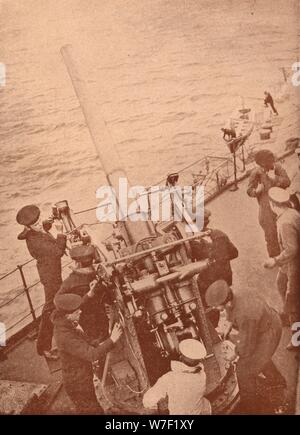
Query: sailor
[288,277]
[184,386]
[48,252]
[259,331]
[228,133]
[294,189]
[219,249]
[267,174]
[83,282]
[269,100]
[77,353]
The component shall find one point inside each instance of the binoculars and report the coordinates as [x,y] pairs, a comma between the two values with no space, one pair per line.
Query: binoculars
[60,211]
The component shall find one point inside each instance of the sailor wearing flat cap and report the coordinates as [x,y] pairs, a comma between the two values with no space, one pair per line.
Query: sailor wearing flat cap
[184,386]
[47,251]
[77,352]
[219,249]
[259,331]
[267,174]
[83,281]
[288,277]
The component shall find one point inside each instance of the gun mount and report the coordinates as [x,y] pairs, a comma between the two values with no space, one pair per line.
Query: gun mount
[154,288]
[152,282]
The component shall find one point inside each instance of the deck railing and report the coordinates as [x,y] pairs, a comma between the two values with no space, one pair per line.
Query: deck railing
[213,172]
[22,289]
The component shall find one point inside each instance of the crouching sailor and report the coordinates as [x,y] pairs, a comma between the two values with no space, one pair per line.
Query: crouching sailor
[184,385]
[259,332]
[77,354]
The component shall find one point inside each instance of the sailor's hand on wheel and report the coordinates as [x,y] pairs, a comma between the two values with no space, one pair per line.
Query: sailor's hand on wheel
[270,263]
[116,332]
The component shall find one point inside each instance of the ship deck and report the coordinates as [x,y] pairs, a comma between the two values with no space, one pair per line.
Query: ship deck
[232,212]
[237,215]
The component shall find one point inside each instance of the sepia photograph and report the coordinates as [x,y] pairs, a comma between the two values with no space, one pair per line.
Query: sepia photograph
[150,210]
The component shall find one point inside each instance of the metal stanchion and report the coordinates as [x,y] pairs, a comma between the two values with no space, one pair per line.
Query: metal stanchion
[27,293]
[235,184]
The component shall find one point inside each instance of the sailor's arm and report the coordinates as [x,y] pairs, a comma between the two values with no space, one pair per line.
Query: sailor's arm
[43,248]
[267,100]
[61,239]
[156,393]
[255,187]
[80,348]
[281,177]
[289,239]
[247,337]
[230,252]
[33,249]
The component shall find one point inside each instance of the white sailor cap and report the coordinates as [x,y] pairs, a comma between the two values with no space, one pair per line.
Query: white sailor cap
[192,349]
[278,195]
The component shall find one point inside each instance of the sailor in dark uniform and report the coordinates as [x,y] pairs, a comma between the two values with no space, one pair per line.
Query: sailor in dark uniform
[77,353]
[259,332]
[219,249]
[267,174]
[82,281]
[48,251]
[269,100]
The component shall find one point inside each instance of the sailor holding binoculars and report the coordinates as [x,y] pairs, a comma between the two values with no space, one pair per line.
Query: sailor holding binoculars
[48,251]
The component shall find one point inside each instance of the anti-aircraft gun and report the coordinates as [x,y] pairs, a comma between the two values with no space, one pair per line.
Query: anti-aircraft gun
[153,284]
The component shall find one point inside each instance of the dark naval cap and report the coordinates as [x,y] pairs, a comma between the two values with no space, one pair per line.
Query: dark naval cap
[82,252]
[217,293]
[278,195]
[28,215]
[67,303]
[262,157]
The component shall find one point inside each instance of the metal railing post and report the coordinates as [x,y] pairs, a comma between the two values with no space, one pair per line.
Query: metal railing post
[243,159]
[27,293]
[218,181]
[235,184]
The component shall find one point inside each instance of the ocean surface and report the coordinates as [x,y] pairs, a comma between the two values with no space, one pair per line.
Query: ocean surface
[166,74]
